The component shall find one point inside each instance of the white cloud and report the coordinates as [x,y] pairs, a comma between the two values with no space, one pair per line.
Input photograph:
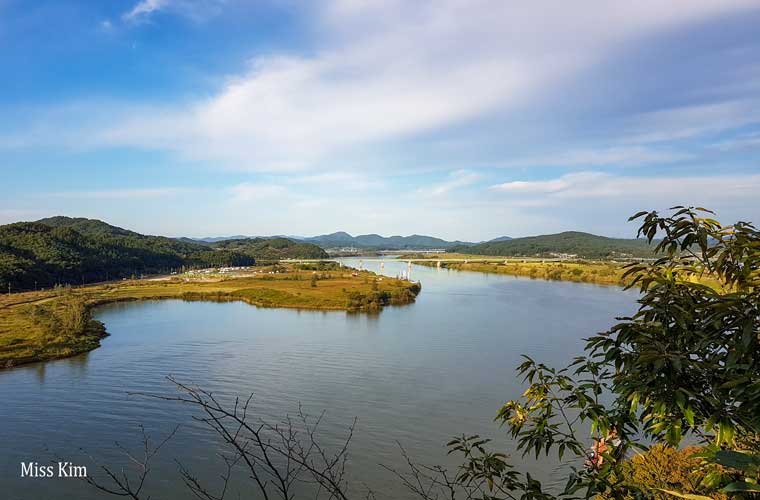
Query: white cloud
[533,187]
[591,186]
[387,70]
[456,180]
[742,141]
[196,10]
[692,121]
[600,203]
[587,201]
[619,156]
[143,9]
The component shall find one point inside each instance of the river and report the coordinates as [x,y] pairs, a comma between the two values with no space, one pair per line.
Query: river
[416,374]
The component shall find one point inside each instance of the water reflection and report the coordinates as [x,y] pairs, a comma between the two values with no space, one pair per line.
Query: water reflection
[40,369]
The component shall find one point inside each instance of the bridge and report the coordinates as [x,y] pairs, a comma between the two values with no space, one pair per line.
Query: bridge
[505,260]
[492,260]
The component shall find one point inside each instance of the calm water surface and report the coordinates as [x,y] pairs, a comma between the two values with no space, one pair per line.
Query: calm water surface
[417,374]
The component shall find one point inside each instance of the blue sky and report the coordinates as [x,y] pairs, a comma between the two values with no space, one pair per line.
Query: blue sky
[462,119]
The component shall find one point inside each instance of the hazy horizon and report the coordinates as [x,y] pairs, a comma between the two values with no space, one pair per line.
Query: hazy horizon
[460,120]
[306,236]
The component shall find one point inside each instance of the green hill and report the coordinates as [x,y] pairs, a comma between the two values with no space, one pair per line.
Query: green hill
[272,248]
[62,250]
[88,226]
[583,245]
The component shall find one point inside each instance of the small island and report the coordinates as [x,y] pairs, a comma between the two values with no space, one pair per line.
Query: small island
[57,323]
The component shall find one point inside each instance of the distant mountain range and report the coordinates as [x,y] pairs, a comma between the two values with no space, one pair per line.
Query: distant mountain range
[377,242]
[221,238]
[569,242]
[582,245]
[342,239]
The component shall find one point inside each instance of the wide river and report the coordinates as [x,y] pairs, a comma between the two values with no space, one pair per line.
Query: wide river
[417,374]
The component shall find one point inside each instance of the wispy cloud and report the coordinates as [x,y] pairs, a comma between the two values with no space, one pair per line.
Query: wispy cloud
[457,179]
[386,100]
[600,202]
[740,142]
[541,187]
[692,121]
[197,10]
[621,156]
[385,71]
[122,194]
[143,9]
[598,185]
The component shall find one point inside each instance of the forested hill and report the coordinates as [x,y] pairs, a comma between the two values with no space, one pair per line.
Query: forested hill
[89,226]
[257,248]
[272,248]
[570,242]
[63,250]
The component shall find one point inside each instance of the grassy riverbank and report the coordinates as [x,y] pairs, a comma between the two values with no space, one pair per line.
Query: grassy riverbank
[600,273]
[579,272]
[37,326]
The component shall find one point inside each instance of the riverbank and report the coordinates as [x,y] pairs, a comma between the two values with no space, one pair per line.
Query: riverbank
[601,273]
[596,272]
[39,326]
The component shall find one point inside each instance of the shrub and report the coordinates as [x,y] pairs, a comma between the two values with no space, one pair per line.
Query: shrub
[664,467]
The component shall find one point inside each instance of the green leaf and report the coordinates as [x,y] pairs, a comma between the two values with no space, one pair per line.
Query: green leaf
[737,460]
[688,414]
[712,479]
[739,487]
[690,496]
